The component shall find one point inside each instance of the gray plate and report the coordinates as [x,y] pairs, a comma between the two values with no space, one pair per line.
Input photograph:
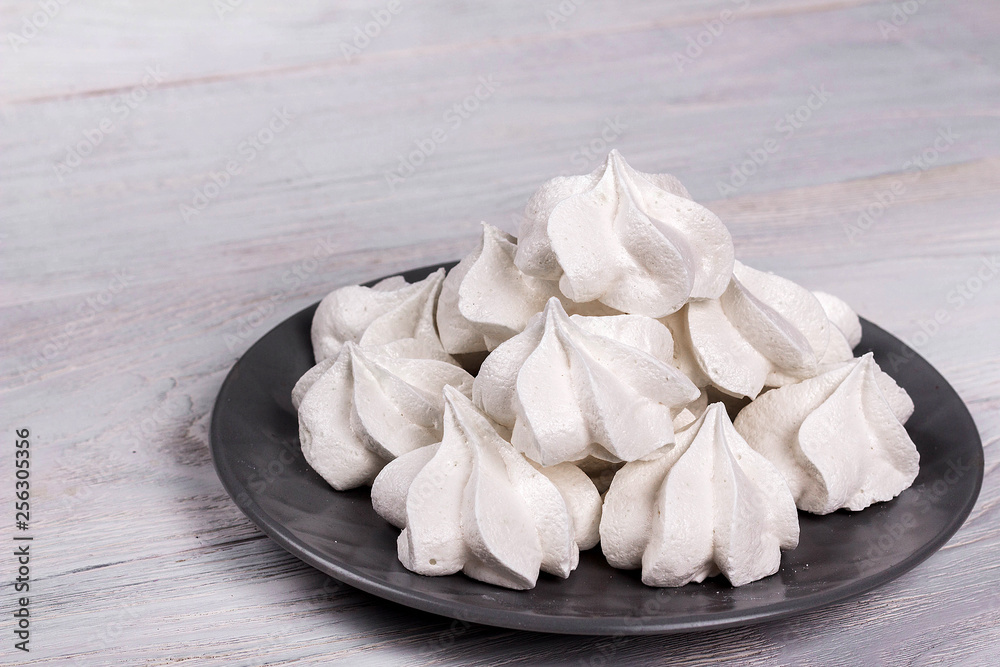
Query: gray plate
[255,446]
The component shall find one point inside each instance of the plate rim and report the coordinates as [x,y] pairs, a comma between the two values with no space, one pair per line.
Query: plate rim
[554,623]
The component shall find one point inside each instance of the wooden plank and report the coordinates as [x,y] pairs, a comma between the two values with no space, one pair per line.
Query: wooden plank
[142,554]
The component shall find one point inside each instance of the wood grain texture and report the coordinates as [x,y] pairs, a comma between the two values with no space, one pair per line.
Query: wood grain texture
[120,315]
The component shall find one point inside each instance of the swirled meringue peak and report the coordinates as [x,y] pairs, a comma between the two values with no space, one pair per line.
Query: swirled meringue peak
[391,310]
[474,504]
[709,504]
[486,299]
[633,241]
[838,438]
[369,406]
[575,386]
[764,331]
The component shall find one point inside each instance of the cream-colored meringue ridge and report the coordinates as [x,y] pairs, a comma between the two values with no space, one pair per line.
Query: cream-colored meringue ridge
[391,310]
[842,316]
[689,414]
[838,439]
[572,387]
[709,504]
[486,299]
[474,504]
[369,406]
[764,331]
[633,241]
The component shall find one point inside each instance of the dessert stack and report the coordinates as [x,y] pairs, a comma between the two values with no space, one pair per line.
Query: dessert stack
[634,386]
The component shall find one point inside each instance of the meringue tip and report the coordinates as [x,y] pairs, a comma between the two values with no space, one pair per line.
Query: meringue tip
[615,161]
[356,353]
[715,415]
[554,307]
[452,396]
[718,412]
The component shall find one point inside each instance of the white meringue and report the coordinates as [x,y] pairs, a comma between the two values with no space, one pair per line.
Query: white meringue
[575,386]
[843,317]
[391,310]
[474,504]
[631,240]
[707,504]
[838,439]
[309,378]
[486,299]
[689,413]
[404,348]
[629,355]
[368,407]
[764,331]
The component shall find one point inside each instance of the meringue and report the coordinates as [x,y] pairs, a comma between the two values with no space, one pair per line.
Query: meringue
[309,378]
[485,299]
[635,386]
[842,316]
[708,504]
[391,310]
[764,331]
[571,387]
[369,406]
[838,439]
[690,413]
[633,241]
[474,504]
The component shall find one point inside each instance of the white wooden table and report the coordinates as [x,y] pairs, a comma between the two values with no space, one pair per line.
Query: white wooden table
[169,172]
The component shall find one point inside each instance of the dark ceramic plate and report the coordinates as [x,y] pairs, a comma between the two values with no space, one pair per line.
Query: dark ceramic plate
[254,440]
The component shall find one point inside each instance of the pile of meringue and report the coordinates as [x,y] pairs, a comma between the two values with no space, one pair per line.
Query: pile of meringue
[635,387]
